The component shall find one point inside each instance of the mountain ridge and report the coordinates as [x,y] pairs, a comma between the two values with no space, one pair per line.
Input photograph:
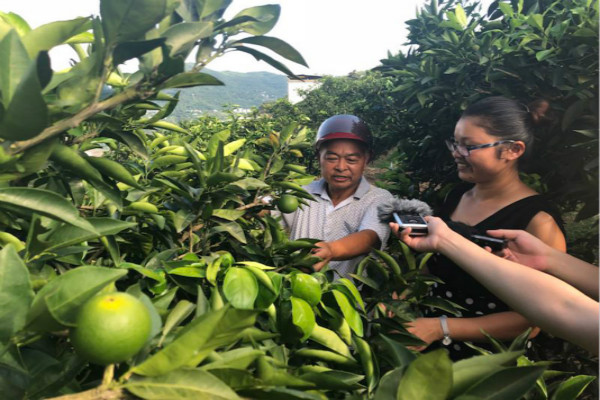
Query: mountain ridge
[242,89]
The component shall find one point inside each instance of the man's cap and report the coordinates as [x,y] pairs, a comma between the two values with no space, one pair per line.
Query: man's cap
[344,127]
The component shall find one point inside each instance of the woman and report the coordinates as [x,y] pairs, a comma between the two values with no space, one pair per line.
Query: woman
[490,139]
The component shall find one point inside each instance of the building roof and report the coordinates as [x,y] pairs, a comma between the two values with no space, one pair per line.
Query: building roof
[303,77]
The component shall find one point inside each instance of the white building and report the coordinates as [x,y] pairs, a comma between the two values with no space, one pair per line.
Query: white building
[305,83]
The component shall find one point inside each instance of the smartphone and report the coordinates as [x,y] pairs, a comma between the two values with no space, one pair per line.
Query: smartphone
[417,224]
[496,244]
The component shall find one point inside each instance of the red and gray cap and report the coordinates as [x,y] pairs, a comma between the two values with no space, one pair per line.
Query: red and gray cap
[344,127]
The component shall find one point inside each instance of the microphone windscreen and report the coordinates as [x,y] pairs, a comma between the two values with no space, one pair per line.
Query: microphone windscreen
[402,207]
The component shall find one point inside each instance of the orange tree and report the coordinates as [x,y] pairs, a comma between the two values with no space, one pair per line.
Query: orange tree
[173,216]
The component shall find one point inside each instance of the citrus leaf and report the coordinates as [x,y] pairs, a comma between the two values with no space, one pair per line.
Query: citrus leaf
[47,36]
[57,303]
[126,20]
[181,384]
[43,202]
[240,288]
[16,293]
[428,377]
[350,314]
[266,17]
[303,316]
[278,46]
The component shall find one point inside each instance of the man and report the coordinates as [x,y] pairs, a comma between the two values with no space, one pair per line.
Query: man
[344,215]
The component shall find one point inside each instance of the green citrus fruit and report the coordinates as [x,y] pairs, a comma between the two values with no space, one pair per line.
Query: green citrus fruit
[111,328]
[287,203]
[307,288]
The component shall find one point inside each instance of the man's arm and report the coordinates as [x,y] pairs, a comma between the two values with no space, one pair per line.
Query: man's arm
[346,248]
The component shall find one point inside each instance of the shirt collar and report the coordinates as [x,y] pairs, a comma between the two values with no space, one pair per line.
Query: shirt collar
[320,188]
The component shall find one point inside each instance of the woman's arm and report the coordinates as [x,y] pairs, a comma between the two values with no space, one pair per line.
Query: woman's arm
[526,249]
[502,326]
[543,299]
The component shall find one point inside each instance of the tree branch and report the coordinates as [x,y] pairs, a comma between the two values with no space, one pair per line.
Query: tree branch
[75,120]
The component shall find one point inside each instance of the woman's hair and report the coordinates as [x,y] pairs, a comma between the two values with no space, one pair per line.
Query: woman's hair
[508,119]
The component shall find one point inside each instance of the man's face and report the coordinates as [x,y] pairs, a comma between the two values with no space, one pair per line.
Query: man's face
[342,164]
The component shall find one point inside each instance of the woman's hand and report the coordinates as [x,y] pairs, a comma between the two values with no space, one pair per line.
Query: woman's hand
[437,232]
[427,329]
[523,248]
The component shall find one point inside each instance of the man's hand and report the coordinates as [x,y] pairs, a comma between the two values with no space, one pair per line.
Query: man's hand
[427,329]
[324,252]
[523,248]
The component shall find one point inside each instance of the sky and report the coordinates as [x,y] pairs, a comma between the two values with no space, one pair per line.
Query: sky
[335,37]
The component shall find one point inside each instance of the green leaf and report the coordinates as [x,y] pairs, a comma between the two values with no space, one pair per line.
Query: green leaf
[68,235]
[232,228]
[181,384]
[43,202]
[190,79]
[428,377]
[228,214]
[303,316]
[395,353]
[269,60]
[353,290]
[47,36]
[238,358]
[27,114]
[15,20]
[128,50]
[15,293]
[461,17]
[14,63]
[536,20]
[197,340]
[127,20]
[182,37]
[232,147]
[277,45]
[144,271]
[250,184]
[509,383]
[388,385]
[542,55]
[266,16]
[181,311]
[58,302]
[240,288]
[471,370]
[573,387]
[329,339]
[255,265]
[213,6]
[350,314]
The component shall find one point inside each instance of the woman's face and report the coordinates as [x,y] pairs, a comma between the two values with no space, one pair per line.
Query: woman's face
[481,165]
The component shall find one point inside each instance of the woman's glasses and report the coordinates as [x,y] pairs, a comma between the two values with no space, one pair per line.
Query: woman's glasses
[465,150]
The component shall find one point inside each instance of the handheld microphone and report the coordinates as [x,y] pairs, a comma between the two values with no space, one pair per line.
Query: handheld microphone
[409,212]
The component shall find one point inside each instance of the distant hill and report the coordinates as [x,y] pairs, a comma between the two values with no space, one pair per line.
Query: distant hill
[245,90]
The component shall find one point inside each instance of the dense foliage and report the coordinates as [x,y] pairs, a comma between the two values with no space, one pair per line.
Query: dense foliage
[527,50]
[98,196]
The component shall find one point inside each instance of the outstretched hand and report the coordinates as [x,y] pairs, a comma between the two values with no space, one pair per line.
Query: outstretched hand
[437,230]
[324,252]
[523,248]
